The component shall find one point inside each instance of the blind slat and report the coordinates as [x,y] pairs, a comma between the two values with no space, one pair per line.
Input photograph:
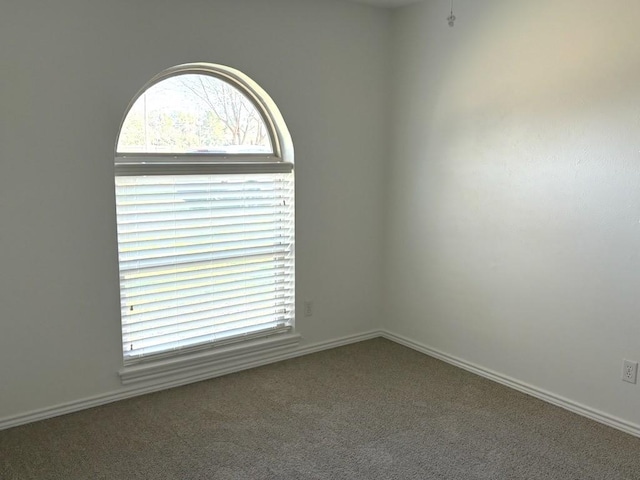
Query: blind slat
[180,241]
[183,290]
[140,225]
[205,270]
[250,318]
[230,253]
[151,270]
[199,231]
[197,213]
[253,310]
[193,195]
[210,277]
[195,311]
[167,317]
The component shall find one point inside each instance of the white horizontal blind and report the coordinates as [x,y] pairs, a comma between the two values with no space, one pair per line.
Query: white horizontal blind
[204,258]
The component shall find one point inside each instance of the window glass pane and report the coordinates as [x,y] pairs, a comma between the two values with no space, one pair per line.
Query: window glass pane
[194,113]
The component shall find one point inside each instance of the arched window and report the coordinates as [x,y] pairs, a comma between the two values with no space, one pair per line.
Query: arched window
[205,213]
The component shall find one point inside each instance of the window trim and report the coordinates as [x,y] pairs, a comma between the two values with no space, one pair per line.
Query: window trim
[181,168]
[279,135]
[280,160]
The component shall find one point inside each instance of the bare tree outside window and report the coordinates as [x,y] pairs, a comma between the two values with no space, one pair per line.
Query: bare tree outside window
[194,114]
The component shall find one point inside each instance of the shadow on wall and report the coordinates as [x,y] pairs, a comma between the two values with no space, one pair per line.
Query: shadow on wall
[568,56]
[519,199]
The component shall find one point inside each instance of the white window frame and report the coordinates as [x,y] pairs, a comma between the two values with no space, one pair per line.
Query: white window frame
[140,164]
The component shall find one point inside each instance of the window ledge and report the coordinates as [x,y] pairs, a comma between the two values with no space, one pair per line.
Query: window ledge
[214,361]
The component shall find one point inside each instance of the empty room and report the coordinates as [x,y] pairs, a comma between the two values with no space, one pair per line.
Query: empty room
[320,239]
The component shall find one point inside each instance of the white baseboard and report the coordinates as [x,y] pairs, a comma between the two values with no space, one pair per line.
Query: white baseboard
[272,357]
[216,371]
[531,390]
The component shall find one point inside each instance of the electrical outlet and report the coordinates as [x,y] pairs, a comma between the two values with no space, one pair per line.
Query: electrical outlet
[630,371]
[308,308]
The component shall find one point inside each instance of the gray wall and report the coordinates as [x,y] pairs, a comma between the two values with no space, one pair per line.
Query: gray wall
[69,69]
[514,204]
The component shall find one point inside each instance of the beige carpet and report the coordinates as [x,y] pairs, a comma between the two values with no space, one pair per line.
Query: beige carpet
[373,410]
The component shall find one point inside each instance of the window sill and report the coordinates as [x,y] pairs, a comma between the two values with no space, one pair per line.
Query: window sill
[213,362]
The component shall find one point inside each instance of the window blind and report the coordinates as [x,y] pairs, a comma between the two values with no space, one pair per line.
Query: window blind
[204,258]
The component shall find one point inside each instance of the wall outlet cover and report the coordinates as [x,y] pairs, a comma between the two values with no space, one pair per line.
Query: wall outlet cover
[630,371]
[308,308]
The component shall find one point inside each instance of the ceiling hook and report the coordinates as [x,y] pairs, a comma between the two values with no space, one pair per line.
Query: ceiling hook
[451,18]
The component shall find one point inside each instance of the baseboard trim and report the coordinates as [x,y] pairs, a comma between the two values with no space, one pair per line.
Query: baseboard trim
[272,357]
[219,370]
[575,407]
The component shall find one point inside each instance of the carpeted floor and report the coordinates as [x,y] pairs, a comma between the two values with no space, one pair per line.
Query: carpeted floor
[373,410]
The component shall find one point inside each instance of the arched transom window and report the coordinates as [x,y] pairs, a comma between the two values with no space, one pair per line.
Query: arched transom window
[205,212]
